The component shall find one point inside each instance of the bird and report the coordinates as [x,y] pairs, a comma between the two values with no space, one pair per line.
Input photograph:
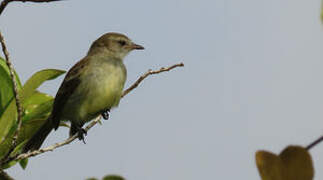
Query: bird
[90,88]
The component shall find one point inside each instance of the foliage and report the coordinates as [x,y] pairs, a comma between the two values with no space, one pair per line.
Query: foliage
[36,108]
[293,163]
[108,177]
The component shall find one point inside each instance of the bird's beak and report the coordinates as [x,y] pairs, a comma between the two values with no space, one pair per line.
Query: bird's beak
[136,46]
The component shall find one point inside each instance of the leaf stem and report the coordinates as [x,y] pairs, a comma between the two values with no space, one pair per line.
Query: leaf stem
[314,143]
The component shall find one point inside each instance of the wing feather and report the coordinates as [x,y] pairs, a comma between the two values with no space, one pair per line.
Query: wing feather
[68,87]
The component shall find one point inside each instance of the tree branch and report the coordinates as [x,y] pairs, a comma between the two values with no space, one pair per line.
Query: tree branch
[92,123]
[150,72]
[4,3]
[15,92]
[52,147]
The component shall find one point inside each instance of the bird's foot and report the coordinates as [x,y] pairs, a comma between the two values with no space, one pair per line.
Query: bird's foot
[80,133]
[105,114]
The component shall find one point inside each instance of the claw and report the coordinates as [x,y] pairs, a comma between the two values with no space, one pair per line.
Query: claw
[81,132]
[105,114]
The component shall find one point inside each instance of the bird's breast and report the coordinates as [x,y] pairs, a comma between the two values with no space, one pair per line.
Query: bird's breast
[104,87]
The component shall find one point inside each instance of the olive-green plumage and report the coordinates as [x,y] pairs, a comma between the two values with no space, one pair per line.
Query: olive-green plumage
[91,87]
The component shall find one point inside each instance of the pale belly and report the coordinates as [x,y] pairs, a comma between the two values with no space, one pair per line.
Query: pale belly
[105,94]
[100,91]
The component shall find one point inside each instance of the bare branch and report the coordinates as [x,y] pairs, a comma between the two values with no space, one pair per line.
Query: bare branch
[150,72]
[314,143]
[4,3]
[94,122]
[15,91]
[52,147]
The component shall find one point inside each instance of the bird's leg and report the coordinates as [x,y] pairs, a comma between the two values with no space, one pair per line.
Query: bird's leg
[80,133]
[105,114]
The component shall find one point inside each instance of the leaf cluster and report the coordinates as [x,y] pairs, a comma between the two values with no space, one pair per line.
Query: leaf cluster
[293,163]
[36,109]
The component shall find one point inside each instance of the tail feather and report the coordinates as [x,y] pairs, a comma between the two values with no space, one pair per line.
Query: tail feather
[39,137]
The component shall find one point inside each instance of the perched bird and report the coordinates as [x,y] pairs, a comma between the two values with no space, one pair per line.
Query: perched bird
[91,87]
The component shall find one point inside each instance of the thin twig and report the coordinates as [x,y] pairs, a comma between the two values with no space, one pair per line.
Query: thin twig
[314,143]
[15,92]
[52,147]
[4,3]
[95,121]
[149,72]
[4,175]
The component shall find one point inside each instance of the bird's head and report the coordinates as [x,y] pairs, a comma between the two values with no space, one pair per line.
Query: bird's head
[114,44]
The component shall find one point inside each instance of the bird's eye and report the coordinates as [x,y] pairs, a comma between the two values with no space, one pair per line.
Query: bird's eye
[122,42]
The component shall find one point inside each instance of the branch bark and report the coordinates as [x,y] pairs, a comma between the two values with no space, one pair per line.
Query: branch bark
[150,72]
[15,91]
[57,145]
[92,123]
[4,3]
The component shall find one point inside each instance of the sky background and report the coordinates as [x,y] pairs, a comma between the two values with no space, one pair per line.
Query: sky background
[253,79]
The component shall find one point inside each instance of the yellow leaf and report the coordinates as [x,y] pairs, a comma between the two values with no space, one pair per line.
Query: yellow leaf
[298,163]
[270,166]
[293,163]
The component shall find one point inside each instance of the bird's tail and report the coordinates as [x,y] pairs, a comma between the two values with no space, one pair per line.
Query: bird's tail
[39,137]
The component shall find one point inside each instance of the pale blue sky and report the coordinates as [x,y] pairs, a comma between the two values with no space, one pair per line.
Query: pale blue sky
[253,79]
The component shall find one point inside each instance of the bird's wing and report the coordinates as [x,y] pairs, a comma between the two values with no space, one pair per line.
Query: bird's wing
[68,87]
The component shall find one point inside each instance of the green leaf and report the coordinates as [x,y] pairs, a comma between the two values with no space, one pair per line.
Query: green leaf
[28,129]
[9,116]
[38,106]
[113,177]
[23,163]
[14,152]
[18,148]
[37,109]
[9,164]
[6,89]
[37,98]
[37,79]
